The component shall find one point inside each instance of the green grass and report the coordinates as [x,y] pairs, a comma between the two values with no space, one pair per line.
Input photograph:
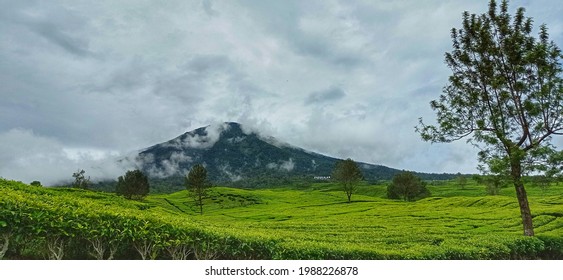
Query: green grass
[318,223]
[320,217]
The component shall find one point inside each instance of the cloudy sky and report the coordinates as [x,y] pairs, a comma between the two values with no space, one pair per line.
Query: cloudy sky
[82,82]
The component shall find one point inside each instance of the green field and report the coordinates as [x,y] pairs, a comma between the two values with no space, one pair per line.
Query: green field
[288,223]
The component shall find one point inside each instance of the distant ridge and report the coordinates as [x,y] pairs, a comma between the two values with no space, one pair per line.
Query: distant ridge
[232,154]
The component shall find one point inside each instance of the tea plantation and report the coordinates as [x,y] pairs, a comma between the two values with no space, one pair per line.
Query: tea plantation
[282,223]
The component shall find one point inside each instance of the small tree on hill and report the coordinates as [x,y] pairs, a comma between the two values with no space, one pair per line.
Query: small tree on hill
[80,181]
[493,184]
[543,182]
[477,178]
[407,186]
[348,174]
[36,184]
[134,185]
[461,181]
[197,184]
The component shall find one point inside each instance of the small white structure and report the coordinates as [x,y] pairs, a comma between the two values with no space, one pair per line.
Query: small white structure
[322,178]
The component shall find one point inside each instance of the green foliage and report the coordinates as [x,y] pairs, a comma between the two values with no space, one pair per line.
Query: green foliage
[134,185]
[197,184]
[505,90]
[64,224]
[494,183]
[35,184]
[553,247]
[506,94]
[542,181]
[277,224]
[348,175]
[408,187]
[461,181]
[80,181]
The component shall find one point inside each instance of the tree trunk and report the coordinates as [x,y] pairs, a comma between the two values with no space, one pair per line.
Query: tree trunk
[516,173]
[4,247]
[200,201]
[55,247]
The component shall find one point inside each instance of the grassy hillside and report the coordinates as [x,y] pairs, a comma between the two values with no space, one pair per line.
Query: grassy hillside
[455,223]
[286,223]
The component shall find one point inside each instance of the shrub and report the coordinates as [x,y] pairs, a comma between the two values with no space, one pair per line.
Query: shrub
[408,187]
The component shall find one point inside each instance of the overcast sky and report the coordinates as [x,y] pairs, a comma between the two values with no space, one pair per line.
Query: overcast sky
[83,82]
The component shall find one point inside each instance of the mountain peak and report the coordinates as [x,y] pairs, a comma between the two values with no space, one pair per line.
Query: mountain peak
[232,129]
[205,137]
[231,153]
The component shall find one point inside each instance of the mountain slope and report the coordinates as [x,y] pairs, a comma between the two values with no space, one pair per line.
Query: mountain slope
[232,154]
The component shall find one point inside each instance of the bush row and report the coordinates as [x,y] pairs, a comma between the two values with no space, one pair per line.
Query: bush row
[38,223]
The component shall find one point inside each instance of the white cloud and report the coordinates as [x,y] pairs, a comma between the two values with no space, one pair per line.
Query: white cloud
[227,170]
[27,156]
[204,141]
[287,165]
[86,80]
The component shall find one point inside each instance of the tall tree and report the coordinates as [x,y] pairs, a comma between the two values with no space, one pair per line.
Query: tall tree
[505,95]
[80,181]
[134,185]
[197,184]
[348,174]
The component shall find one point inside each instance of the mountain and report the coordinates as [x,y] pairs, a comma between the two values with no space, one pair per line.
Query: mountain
[238,157]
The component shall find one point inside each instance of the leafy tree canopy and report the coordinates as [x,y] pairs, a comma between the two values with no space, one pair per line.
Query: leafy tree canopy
[348,174]
[407,186]
[134,185]
[36,183]
[81,181]
[505,95]
[197,184]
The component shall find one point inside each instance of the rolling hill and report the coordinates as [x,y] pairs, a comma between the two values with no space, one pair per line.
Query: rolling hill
[282,223]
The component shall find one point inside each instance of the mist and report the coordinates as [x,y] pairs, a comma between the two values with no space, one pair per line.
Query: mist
[26,156]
